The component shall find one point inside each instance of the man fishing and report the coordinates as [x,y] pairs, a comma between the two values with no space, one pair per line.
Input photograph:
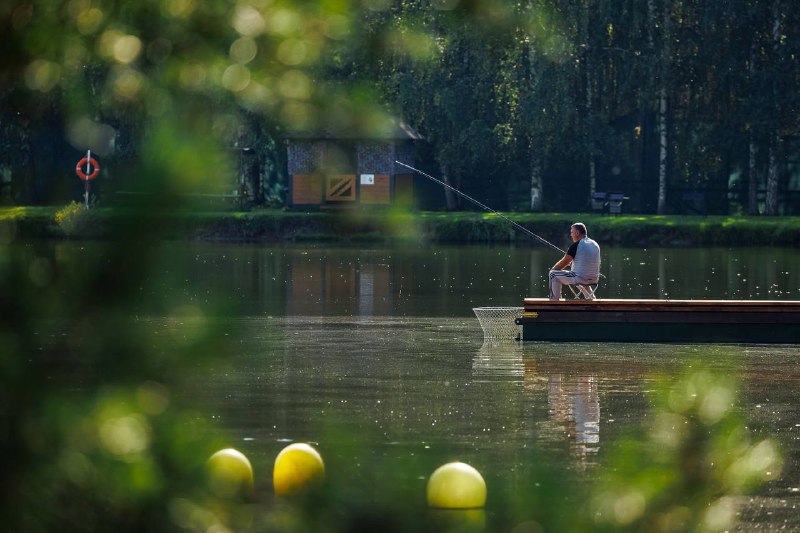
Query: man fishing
[584,254]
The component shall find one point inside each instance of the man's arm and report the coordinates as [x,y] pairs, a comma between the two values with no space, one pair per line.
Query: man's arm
[567,259]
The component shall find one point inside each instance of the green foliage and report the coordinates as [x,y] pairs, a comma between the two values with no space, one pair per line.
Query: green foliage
[685,472]
[275,196]
[566,88]
[500,90]
[94,439]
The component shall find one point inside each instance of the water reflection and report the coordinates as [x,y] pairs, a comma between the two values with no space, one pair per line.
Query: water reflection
[431,388]
[384,343]
[575,405]
[318,285]
[404,282]
[498,360]
[573,398]
[450,281]
[437,281]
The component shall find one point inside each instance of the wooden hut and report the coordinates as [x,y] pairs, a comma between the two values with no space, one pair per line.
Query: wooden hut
[341,170]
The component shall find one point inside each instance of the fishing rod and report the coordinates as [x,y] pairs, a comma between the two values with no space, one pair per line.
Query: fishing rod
[482,206]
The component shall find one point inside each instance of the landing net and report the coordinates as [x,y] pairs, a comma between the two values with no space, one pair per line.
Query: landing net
[498,323]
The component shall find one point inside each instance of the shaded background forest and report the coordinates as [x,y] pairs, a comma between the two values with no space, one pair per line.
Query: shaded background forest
[527,105]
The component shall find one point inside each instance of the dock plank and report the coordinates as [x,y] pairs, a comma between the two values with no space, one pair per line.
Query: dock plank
[650,320]
[727,306]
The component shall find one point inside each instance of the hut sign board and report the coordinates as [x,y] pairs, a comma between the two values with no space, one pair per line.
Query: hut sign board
[367,179]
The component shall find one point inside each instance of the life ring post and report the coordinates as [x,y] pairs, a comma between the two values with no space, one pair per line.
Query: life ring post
[86,182]
[87,169]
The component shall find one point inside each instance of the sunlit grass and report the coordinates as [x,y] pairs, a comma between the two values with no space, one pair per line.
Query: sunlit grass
[409,226]
[22,212]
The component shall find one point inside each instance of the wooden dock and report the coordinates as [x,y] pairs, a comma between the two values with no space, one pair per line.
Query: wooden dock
[640,320]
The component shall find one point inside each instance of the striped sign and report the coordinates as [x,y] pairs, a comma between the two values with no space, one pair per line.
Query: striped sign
[340,188]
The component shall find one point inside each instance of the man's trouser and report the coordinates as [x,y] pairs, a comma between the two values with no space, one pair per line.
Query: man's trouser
[559,278]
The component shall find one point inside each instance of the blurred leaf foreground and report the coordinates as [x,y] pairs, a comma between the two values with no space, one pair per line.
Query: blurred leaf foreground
[93,438]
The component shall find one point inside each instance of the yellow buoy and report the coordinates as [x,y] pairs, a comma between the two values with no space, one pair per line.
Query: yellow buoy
[456,486]
[297,467]
[230,473]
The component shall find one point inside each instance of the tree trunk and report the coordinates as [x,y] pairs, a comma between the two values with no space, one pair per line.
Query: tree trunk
[772,177]
[663,106]
[537,193]
[774,138]
[589,111]
[449,196]
[752,174]
[587,64]
[592,163]
[23,184]
[752,179]
[663,151]
[648,100]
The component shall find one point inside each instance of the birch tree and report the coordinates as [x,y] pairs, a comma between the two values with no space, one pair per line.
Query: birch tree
[663,99]
[773,171]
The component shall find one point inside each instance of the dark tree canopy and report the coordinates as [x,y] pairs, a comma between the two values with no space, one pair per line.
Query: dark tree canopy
[530,105]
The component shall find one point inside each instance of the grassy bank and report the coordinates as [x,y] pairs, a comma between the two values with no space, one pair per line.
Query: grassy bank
[368,226]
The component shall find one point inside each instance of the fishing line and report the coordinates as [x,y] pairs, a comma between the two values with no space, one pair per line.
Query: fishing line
[483,206]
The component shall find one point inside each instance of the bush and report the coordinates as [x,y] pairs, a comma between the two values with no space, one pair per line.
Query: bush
[76,220]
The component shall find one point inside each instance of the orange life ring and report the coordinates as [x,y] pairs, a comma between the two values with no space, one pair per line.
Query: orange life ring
[83,175]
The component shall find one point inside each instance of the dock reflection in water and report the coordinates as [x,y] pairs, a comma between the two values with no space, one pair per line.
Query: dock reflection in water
[497,359]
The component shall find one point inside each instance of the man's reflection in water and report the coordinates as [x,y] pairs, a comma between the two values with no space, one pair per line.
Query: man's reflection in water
[575,405]
[573,400]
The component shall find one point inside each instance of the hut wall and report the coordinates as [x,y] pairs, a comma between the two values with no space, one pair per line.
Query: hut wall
[378,192]
[303,156]
[374,158]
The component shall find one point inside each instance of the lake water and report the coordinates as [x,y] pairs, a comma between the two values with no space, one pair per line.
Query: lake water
[384,343]
[450,281]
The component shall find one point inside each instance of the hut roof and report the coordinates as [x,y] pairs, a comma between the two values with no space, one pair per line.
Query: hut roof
[390,129]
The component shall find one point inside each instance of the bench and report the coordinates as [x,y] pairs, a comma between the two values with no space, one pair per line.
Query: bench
[598,202]
[615,200]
